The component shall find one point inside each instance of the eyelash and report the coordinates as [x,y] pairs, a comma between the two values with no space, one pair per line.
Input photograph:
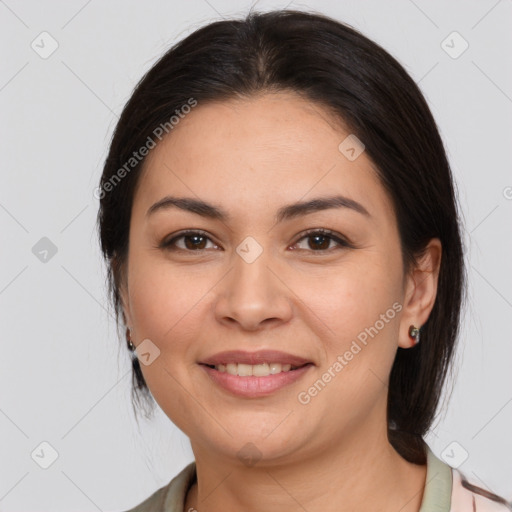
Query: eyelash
[343,243]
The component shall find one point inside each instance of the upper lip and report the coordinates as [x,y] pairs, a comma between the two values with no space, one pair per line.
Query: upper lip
[258,357]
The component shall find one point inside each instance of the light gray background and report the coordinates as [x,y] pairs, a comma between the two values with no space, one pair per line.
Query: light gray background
[63,379]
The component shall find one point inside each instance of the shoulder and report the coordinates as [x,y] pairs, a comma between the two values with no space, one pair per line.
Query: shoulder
[154,502]
[467,496]
[170,497]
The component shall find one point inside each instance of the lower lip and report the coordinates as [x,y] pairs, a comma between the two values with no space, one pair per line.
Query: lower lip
[254,387]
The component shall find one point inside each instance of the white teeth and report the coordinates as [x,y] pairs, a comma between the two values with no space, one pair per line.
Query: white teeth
[258,370]
[244,370]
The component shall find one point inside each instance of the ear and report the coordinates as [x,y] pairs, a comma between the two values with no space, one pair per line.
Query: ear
[420,291]
[125,306]
[121,282]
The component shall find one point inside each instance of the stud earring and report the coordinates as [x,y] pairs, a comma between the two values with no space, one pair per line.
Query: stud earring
[414,333]
[131,346]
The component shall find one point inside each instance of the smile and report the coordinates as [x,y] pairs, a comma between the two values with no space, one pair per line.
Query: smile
[258,370]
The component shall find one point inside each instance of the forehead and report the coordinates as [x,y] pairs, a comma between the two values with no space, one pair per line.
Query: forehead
[258,153]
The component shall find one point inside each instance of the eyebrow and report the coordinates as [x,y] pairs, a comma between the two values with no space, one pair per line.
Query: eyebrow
[287,212]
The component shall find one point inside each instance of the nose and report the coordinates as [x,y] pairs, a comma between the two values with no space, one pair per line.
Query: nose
[253,295]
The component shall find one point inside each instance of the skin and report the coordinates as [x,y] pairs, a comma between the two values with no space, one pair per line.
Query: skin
[251,157]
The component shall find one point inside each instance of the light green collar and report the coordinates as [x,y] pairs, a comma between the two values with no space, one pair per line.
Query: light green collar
[438,485]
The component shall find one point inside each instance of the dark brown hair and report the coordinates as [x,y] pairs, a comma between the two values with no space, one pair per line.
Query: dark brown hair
[332,64]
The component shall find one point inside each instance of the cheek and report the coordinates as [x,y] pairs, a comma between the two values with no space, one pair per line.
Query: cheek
[167,304]
[350,298]
[359,311]
[358,306]
[169,308]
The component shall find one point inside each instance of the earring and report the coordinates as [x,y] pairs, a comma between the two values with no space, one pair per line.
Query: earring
[414,333]
[131,346]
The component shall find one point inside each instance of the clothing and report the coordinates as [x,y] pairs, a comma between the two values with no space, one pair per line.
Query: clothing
[446,490]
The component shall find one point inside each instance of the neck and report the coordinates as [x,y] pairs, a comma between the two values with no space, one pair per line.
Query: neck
[359,472]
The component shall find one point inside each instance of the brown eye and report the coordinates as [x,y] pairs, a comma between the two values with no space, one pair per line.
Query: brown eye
[320,240]
[192,241]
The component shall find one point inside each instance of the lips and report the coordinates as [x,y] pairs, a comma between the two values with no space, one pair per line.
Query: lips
[254,386]
[254,358]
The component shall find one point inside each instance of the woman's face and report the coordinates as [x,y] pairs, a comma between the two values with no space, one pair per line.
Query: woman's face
[255,281]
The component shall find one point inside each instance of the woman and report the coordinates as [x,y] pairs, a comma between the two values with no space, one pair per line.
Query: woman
[279,219]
